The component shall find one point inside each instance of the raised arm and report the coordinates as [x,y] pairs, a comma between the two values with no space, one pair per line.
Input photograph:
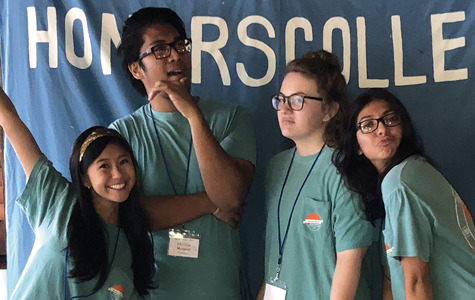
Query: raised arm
[20,137]
[226,179]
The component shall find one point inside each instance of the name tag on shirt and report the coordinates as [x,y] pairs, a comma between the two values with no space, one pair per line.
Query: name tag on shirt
[273,292]
[183,243]
[276,289]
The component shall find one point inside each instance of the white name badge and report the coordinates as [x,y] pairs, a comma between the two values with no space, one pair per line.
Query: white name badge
[276,289]
[183,243]
[273,292]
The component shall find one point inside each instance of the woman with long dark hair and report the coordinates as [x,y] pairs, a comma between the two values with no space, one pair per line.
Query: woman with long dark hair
[92,238]
[428,231]
[316,233]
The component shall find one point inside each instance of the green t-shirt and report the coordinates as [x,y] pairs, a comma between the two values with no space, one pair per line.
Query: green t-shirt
[327,219]
[48,200]
[215,273]
[426,218]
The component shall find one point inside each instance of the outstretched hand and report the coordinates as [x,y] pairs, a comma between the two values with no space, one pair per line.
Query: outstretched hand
[178,93]
[233,218]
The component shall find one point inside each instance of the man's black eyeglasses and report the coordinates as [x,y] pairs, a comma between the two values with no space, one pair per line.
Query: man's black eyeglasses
[164,50]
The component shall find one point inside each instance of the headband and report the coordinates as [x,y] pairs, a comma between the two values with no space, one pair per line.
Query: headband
[98,133]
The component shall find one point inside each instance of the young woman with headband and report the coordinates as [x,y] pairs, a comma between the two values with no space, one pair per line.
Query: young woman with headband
[92,238]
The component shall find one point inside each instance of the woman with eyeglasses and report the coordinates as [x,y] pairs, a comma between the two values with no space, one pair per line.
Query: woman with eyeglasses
[428,231]
[316,233]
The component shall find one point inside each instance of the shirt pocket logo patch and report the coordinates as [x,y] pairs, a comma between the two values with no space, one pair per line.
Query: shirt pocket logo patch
[116,292]
[313,222]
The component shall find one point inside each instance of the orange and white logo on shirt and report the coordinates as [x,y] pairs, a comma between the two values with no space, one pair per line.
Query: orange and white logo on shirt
[464,220]
[313,221]
[466,212]
[389,250]
[116,292]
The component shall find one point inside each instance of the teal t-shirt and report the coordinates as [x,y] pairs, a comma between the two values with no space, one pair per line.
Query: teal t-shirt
[215,273]
[327,219]
[426,218]
[48,201]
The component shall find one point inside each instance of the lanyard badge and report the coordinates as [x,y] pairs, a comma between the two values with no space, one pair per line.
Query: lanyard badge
[183,243]
[275,289]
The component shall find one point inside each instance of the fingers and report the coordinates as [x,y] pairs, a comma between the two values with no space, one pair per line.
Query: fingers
[238,217]
[240,210]
[232,218]
[183,80]
[159,88]
[233,224]
[168,87]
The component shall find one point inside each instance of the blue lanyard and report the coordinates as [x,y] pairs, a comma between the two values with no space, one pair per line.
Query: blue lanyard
[165,161]
[282,242]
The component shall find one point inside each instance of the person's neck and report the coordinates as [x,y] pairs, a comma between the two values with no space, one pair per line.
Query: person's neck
[162,103]
[108,212]
[380,166]
[309,146]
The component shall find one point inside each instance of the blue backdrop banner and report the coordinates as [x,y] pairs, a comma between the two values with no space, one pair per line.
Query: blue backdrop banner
[61,71]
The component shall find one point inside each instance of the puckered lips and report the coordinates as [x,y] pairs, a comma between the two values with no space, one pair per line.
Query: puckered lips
[385,141]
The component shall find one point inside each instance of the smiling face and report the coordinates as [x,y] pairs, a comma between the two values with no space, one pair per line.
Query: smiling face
[306,124]
[110,178]
[380,145]
[173,67]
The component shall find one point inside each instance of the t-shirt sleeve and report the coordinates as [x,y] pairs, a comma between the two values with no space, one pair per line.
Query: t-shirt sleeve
[114,125]
[120,127]
[48,197]
[351,229]
[240,140]
[408,230]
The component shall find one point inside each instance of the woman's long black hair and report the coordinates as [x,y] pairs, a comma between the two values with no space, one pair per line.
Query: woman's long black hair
[360,174]
[87,244]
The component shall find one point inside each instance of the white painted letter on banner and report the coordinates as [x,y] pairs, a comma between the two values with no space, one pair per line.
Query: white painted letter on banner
[109,32]
[399,78]
[441,45]
[290,28]
[342,24]
[363,80]
[79,62]
[211,47]
[49,36]
[246,40]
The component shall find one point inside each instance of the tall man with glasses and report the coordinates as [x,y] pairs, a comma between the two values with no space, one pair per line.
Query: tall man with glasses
[195,158]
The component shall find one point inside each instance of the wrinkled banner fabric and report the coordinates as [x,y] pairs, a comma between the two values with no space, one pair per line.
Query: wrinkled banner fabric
[59,67]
